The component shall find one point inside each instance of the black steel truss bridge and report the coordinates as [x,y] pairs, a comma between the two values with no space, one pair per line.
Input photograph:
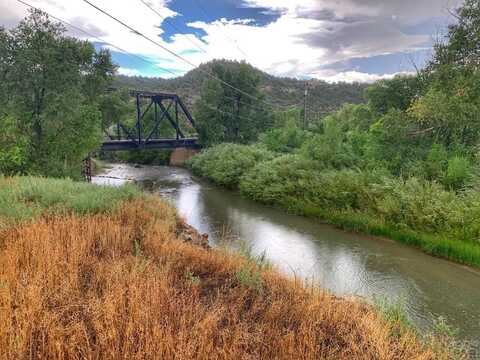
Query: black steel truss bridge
[165,107]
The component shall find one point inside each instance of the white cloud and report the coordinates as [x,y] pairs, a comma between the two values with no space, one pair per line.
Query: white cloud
[354,76]
[405,10]
[306,38]
[128,72]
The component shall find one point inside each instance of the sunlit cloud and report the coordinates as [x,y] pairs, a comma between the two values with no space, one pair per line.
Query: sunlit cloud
[304,40]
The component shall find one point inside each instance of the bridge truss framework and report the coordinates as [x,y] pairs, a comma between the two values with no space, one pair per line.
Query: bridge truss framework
[138,138]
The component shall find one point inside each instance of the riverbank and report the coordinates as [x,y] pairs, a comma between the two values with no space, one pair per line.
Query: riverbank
[79,279]
[412,211]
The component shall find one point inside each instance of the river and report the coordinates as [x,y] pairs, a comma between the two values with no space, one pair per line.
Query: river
[345,263]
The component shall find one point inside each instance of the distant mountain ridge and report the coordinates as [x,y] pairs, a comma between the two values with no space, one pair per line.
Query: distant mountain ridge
[323,97]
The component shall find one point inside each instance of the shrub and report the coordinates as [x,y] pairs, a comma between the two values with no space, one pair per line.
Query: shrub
[285,139]
[274,182]
[225,164]
[295,182]
[419,204]
[330,148]
[13,147]
[459,172]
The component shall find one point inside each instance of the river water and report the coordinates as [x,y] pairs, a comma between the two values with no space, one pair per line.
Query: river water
[347,264]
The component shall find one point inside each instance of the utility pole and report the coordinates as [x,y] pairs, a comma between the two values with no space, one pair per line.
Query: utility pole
[305,107]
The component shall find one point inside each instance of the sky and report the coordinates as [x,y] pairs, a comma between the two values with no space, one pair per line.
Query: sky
[331,40]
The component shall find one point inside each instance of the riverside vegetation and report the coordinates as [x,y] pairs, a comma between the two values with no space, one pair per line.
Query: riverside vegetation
[90,272]
[403,165]
[84,278]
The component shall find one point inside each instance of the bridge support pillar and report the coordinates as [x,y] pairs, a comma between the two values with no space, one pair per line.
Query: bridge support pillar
[180,155]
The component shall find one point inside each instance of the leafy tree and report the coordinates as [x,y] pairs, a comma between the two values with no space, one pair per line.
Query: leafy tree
[397,93]
[115,108]
[285,139]
[353,117]
[450,109]
[52,83]
[224,114]
[462,46]
[330,149]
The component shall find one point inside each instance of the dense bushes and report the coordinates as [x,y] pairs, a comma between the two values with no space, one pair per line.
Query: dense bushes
[412,209]
[284,139]
[295,183]
[226,163]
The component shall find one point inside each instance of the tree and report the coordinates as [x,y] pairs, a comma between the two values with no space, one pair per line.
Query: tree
[51,84]
[462,45]
[224,114]
[397,93]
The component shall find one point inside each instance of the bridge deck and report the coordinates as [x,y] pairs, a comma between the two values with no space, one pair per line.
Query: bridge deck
[118,145]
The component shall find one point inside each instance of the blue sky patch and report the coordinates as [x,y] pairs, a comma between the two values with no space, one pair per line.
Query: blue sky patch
[209,11]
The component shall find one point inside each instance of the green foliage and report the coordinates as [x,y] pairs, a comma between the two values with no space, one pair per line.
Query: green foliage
[115,107]
[224,114]
[329,150]
[397,93]
[353,117]
[13,147]
[53,83]
[250,278]
[436,162]
[285,139]
[225,164]
[395,315]
[26,198]
[449,111]
[459,172]
[462,45]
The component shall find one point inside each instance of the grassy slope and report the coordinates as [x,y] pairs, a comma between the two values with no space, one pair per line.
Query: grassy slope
[117,283]
[27,198]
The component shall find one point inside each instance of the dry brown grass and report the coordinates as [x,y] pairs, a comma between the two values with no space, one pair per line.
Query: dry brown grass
[123,287]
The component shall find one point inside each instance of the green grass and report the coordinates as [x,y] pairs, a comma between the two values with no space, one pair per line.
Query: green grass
[26,198]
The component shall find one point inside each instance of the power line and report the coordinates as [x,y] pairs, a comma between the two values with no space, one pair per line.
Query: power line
[223,31]
[136,56]
[226,112]
[193,43]
[174,26]
[89,34]
[118,48]
[175,54]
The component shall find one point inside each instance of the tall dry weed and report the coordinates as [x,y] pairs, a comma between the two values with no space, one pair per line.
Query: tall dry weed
[123,287]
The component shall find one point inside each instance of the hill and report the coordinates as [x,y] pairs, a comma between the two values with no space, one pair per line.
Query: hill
[323,97]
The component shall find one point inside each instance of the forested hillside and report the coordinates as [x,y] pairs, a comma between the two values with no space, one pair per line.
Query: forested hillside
[323,97]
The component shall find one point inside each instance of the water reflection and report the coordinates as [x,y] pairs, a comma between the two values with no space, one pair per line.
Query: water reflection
[345,263]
